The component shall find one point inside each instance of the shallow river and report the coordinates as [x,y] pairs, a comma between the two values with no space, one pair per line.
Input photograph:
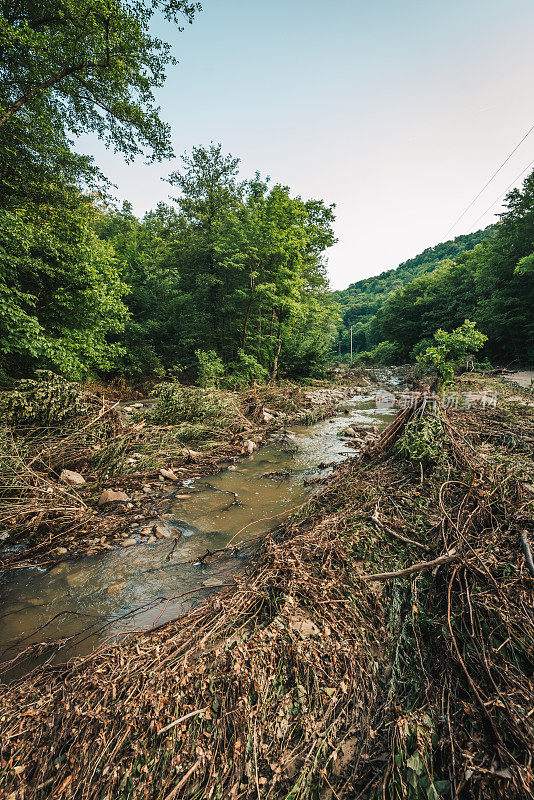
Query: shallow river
[80,604]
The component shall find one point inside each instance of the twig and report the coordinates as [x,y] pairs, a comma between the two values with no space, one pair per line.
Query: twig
[527,551]
[422,566]
[182,719]
[376,519]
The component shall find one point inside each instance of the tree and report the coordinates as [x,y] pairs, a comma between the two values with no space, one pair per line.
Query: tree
[60,291]
[450,350]
[246,260]
[78,66]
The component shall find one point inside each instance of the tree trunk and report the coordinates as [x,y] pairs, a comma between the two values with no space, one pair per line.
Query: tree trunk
[279,347]
[248,309]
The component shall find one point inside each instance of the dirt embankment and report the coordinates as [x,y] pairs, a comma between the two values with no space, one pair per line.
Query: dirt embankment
[381,646]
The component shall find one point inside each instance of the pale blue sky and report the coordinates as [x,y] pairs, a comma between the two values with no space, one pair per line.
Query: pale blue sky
[396,111]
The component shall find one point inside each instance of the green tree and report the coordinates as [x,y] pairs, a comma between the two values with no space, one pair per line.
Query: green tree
[78,66]
[451,350]
[60,291]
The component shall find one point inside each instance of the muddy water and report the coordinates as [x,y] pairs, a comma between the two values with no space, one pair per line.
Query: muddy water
[78,605]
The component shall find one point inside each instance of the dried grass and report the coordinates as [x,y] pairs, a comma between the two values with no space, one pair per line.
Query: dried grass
[308,679]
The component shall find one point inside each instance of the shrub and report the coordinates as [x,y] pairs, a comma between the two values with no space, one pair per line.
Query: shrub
[422,440]
[210,368]
[245,371]
[383,354]
[450,350]
[197,415]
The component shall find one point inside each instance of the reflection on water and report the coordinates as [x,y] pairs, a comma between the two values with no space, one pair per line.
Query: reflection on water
[84,603]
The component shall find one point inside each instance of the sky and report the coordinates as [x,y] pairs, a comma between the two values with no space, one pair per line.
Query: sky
[397,112]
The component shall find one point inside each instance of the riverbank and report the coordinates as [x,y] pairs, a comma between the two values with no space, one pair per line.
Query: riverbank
[382,640]
[95,480]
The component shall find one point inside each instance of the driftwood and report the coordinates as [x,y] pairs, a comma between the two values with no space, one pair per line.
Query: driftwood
[422,566]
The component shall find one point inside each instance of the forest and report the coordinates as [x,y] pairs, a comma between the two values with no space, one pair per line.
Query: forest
[227,272]
[230,269]
[360,302]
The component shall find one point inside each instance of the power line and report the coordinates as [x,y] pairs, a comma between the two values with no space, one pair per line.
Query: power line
[506,160]
[503,194]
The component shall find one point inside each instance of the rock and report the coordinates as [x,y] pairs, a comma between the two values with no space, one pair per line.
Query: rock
[267,417]
[130,460]
[160,532]
[249,446]
[73,478]
[76,579]
[128,542]
[304,626]
[128,409]
[110,496]
[179,497]
[60,569]
[350,432]
[147,488]
[137,405]
[146,532]
[169,474]
[60,551]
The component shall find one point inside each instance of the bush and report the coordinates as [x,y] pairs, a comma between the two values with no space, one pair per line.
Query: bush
[197,415]
[450,350]
[383,354]
[422,440]
[177,403]
[210,368]
[245,371]
[420,348]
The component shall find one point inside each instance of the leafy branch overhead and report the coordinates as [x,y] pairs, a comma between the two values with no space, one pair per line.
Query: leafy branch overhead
[69,68]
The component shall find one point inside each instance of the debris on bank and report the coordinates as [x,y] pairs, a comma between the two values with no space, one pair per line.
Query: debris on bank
[381,646]
[77,470]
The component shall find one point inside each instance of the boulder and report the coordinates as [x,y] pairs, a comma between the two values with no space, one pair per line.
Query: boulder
[128,542]
[72,478]
[110,496]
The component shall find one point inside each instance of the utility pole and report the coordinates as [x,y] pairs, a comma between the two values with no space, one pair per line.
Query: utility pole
[351,344]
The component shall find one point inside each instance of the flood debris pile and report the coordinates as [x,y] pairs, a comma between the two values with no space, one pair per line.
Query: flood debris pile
[64,450]
[50,432]
[381,646]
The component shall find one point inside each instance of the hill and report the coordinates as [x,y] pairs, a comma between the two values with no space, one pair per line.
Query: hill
[360,301]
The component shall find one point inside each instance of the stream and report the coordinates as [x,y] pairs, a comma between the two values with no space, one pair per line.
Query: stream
[78,605]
